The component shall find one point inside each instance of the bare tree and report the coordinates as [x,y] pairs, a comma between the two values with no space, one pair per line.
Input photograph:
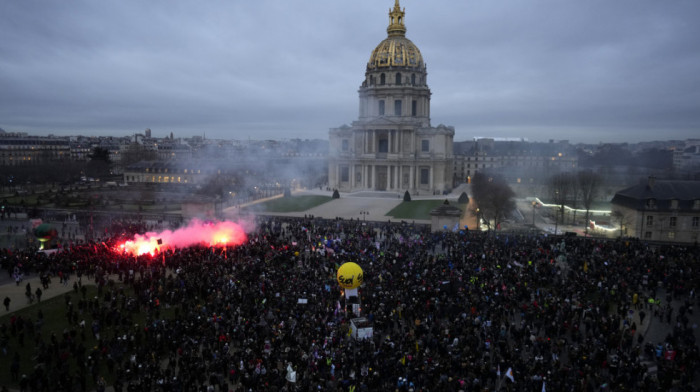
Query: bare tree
[589,186]
[99,163]
[560,188]
[623,220]
[574,198]
[493,197]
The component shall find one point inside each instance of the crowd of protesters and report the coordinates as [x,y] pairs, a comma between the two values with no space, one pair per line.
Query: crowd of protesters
[450,311]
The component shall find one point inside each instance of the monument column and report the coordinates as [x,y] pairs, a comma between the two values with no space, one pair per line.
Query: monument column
[352,176]
[411,181]
[374,176]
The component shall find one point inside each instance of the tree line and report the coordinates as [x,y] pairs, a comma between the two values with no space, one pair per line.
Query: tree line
[494,200]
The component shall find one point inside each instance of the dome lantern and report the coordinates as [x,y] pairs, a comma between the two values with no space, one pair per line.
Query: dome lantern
[396,28]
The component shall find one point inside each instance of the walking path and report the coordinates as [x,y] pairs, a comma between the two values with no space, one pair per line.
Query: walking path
[366,205]
[16,293]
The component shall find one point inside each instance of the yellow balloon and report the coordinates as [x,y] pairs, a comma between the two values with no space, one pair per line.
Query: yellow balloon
[296,253]
[350,276]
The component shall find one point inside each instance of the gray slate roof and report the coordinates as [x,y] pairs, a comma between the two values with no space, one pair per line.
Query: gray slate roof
[662,193]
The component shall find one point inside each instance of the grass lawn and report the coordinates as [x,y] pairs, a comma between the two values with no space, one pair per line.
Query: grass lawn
[55,321]
[29,200]
[419,209]
[290,204]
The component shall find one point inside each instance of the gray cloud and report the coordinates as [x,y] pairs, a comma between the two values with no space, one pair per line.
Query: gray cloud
[580,70]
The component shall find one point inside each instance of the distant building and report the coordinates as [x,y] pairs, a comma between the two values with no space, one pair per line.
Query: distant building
[517,161]
[171,172]
[168,149]
[392,146]
[688,157]
[659,210]
[21,149]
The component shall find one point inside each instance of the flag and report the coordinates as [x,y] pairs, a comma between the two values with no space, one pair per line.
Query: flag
[291,374]
[509,374]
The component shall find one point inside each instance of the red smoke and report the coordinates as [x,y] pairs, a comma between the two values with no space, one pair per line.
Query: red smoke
[217,234]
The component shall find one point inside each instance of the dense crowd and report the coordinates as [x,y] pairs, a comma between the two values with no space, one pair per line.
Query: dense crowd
[450,311]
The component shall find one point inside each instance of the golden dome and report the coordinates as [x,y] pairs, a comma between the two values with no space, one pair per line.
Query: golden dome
[396,50]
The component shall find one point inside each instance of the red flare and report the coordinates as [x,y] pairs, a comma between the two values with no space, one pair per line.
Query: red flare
[215,234]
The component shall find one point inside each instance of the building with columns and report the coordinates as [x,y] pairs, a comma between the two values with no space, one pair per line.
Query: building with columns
[392,146]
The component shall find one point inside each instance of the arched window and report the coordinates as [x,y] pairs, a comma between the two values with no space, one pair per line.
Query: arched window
[398,78]
[371,80]
[382,79]
[413,79]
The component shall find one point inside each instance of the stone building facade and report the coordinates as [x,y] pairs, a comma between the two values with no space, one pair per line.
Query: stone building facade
[392,146]
[659,211]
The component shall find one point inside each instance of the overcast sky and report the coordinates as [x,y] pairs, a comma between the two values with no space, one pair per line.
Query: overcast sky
[587,71]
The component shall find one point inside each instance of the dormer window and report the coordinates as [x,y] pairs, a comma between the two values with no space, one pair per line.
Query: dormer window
[674,204]
[651,203]
[696,204]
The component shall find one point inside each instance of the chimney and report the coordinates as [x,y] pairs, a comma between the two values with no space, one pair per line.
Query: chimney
[651,182]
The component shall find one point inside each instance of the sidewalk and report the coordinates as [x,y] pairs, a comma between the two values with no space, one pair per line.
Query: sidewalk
[18,300]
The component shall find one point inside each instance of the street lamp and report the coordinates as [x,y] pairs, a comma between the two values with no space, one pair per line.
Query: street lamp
[364,215]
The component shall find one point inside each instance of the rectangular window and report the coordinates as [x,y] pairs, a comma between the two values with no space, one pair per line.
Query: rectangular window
[397,107]
[647,235]
[672,221]
[696,222]
[650,220]
[383,145]
[344,174]
[345,145]
[414,108]
[671,235]
[381,107]
[425,145]
[425,176]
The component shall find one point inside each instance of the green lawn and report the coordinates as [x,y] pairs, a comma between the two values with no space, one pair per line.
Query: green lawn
[291,204]
[55,321]
[418,209]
